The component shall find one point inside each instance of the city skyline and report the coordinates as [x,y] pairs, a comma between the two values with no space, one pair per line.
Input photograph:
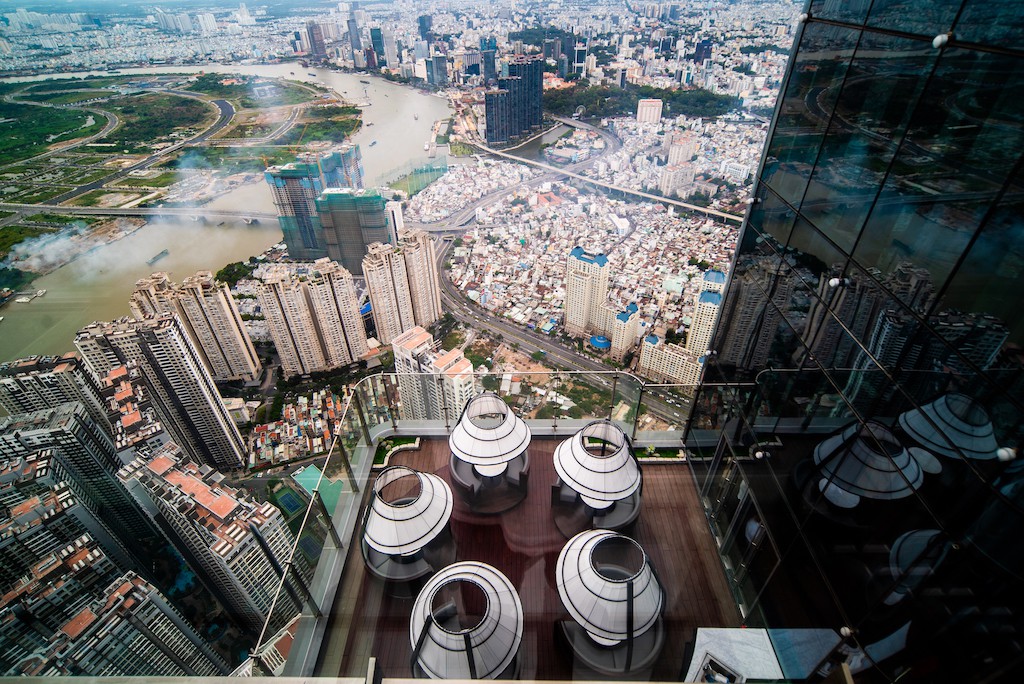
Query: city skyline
[761,257]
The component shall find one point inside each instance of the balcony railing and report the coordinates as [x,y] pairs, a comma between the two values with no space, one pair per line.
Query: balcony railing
[388,405]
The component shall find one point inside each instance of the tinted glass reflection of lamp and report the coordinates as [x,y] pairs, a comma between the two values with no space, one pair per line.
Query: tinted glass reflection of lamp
[952,425]
[914,557]
[607,585]
[466,623]
[408,511]
[867,461]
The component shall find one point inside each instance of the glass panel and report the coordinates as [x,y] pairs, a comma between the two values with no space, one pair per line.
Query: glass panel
[818,71]
[992,22]
[852,11]
[925,17]
[871,114]
[991,278]
[961,145]
[771,216]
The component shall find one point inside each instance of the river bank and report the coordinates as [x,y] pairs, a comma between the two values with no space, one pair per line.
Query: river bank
[97,284]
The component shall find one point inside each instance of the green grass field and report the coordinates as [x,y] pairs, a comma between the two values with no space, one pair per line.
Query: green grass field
[61,219]
[251,92]
[71,97]
[12,235]
[40,194]
[29,130]
[231,159]
[93,198]
[160,181]
[61,84]
[319,131]
[151,118]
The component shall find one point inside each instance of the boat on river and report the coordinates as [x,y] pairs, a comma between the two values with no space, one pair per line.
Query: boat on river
[157,257]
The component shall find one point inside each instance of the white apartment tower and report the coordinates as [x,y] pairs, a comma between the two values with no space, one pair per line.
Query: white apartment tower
[182,390]
[705,315]
[283,301]
[434,384]
[336,308]
[210,318]
[234,543]
[216,328]
[649,110]
[314,321]
[698,339]
[403,283]
[40,382]
[586,288]
[664,362]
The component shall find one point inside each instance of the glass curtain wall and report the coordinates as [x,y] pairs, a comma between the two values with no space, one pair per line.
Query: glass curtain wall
[875,304]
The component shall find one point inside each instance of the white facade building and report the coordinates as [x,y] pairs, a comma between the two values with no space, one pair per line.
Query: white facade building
[210,318]
[649,110]
[586,288]
[434,384]
[234,541]
[403,284]
[664,362]
[182,390]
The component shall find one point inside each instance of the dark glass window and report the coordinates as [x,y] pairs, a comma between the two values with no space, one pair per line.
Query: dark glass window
[924,17]
[818,71]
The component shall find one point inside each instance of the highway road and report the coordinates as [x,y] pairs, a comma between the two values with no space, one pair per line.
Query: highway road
[224,113]
[530,341]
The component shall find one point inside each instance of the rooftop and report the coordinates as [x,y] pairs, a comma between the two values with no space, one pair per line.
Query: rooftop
[587,257]
[523,543]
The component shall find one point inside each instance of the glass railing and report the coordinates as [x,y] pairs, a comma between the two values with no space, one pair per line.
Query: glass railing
[386,411]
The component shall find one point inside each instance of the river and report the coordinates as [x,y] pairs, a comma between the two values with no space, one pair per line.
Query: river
[96,286]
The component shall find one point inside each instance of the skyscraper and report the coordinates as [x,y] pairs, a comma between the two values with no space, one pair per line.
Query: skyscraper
[440,63]
[351,220]
[40,382]
[336,307]
[403,284]
[182,390]
[210,318]
[487,59]
[76,613]
[516,107]
[434,384]
[586,288]
[649,110]
[239,546]
[295,187]
[314,319]
[377,41]
[867,482]
[317,46]
[81,455]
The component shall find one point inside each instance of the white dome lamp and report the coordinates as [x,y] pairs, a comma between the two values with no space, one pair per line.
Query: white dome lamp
[598,464]
[466,623]
[489,433]
[606,582]
[408,511]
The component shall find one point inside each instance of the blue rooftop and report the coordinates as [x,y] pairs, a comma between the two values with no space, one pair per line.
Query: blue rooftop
[587,257]
[630,310]
[716,277]
[600,342]
[653,339]
[366,309]
[710,298]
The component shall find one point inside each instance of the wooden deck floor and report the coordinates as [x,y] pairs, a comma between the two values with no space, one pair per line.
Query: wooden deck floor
[524,544]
